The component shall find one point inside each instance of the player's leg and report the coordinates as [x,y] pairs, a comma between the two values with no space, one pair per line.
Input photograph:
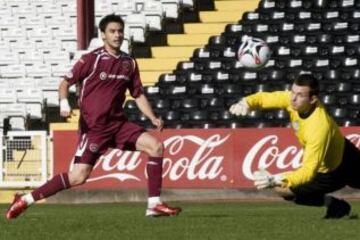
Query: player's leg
[58,183]
[351,165]
[83,163]
[315,194]
[154,149]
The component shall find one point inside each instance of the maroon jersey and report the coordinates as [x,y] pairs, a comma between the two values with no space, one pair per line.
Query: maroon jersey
[103,79]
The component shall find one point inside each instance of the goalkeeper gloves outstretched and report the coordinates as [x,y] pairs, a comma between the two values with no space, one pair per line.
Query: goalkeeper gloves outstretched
[240,108]
[263,179]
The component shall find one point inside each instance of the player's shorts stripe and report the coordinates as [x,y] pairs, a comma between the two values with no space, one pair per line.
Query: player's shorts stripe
[82,146]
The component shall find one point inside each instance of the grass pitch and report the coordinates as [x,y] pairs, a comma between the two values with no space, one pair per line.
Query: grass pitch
[220,220]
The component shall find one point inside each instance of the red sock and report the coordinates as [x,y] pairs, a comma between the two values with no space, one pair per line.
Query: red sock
[154,172]
[54,185]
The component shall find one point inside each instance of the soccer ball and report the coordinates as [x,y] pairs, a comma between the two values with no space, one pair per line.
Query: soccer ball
[253,53]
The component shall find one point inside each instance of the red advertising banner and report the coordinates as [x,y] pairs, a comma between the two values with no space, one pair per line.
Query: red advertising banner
[194,158]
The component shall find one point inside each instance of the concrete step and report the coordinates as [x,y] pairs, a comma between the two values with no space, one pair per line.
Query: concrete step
[220,17]
[149,78]
[173,52]
[236,5]
[188,39]
[159,64]
[210,28]
[63,126]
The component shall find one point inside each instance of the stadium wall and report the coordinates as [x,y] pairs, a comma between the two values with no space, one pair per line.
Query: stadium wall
[198,165]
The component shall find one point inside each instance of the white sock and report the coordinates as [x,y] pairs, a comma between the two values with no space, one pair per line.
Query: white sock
[152,201]
[28,198]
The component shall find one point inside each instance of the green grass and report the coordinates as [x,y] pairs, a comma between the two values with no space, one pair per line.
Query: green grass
[221,220]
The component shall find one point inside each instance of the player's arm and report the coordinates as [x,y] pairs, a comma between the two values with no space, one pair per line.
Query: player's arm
[65,108]
[314,155]
[80,70]
[145,107]
[261,100]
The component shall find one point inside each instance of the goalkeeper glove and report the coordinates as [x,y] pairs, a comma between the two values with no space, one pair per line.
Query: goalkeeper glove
[240,108]
[263,179]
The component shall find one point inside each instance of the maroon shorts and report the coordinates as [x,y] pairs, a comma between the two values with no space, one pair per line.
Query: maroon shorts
[92,145]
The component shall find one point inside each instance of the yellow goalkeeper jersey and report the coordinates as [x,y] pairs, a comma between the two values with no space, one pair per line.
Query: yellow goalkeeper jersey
[318,134]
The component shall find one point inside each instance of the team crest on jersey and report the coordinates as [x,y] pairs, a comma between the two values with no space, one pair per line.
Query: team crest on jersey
[93,147]
[296,125]
[103,76]
[126,67]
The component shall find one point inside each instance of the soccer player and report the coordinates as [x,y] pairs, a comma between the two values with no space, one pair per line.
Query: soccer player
[103,76]
[330,161]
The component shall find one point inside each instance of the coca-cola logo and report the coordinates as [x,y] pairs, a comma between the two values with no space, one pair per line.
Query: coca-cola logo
[266,153]
[202,164]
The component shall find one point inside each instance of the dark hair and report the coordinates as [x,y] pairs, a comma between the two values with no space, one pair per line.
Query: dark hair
[108,19]
[309,81]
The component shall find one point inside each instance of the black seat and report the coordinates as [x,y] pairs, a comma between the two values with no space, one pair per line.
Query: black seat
[354,99]
[353,49]
[234,124]
[222,77]
[174,91]
[231,90]
[185,65]
[324,38]
[176,104]
[328,99]
[281,114]
[297,38]
[226,116]
[199,115]
[249,17]
[152,92]
[214,103]
[204,90]
[344,87]
[193,79]
[161,104]
[217,41]
[332,75]
[338,112]
[262,87]
[349,122]
[190,104]
[255,114]
[131,107]
[201,53]
[171,116]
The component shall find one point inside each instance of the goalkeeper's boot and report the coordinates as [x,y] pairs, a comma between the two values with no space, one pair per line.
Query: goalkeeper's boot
[17,207]
[161,210]
[338,208]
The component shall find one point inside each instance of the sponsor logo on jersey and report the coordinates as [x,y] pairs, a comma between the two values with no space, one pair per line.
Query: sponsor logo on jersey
[103,76]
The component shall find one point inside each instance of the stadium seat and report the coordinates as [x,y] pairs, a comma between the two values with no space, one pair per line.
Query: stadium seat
[154,15]
[138,27]
[13,71]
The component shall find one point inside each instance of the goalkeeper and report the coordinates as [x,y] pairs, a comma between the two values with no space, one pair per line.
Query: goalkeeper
[330,162]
